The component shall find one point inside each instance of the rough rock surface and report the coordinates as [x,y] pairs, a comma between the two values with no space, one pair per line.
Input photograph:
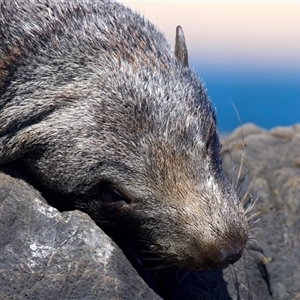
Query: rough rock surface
[272,159]
[45,254]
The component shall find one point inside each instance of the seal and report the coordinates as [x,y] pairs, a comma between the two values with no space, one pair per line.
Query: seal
[102,113]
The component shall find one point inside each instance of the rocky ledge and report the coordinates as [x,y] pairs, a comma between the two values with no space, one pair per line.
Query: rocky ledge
[46,254]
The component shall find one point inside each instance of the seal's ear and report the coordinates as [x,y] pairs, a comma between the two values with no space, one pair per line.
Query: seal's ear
[181,53]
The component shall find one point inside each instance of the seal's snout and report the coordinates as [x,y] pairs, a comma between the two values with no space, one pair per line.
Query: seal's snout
[228,258]
[221,258]
[234,257]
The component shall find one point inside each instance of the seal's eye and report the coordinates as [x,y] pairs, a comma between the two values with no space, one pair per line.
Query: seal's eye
[110,198]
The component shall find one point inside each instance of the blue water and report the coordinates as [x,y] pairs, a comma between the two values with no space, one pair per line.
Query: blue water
[266,97]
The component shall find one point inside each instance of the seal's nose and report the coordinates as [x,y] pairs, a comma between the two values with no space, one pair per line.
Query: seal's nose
[234,258]
[228,258]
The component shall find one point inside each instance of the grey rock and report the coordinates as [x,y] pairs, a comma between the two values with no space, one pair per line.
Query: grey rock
[272,160]
[45,254]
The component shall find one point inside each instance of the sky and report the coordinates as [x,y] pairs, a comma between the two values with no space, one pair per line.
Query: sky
[246,53]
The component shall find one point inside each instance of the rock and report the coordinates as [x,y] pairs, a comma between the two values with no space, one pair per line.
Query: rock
[46,254]
[272,160]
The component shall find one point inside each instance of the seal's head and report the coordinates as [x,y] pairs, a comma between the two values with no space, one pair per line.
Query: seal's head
[98,109]
[168,191]
[163,182]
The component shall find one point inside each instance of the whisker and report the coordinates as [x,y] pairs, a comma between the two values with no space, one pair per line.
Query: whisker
[164,265]
[253,229]
[243,143]
[247,192]
[233,183]
[250,296]
[251,204]
[235,281]
[188,272]
[256,221]
[151,258]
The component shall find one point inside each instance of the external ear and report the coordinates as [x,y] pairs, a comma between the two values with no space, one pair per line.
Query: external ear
[181,53]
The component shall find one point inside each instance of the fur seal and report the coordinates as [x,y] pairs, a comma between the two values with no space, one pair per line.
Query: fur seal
[100,111]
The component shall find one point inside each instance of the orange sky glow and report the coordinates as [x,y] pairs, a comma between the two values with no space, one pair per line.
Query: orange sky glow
[253,31]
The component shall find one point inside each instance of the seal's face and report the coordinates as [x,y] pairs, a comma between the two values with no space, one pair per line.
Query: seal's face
[144,163]
[113,119]
[176,201]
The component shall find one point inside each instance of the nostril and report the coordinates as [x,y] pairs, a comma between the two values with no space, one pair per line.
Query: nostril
[234,258]
[229,258]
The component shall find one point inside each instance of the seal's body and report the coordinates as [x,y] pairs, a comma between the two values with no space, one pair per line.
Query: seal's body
[97,107]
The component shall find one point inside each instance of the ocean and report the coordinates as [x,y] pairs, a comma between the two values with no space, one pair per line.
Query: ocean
[264,96]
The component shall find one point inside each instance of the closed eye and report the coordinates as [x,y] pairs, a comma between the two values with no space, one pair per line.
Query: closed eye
[110,198]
